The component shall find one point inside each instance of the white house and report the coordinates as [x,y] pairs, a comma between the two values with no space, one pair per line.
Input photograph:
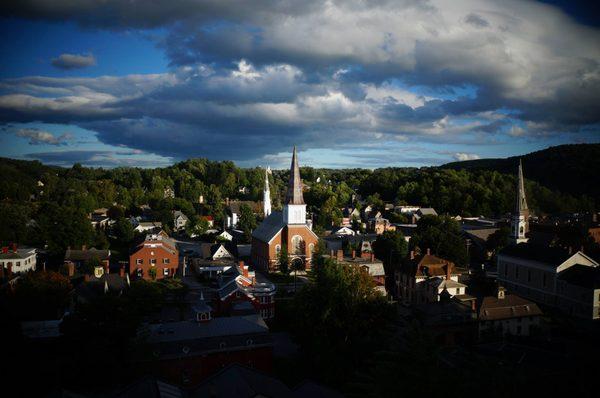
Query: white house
[17,260]
[180,220]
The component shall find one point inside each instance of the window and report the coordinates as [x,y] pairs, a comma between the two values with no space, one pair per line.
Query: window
[264,299]
[297,245]
[277,250]
[166,272]
[139,261]
[311,248]
[264,313]
[18,264]
[140,272]
[249,342]
[153,261]
[222,344]
[166,261]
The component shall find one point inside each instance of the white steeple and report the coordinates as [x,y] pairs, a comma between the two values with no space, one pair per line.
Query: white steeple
[267,194]
[520,217]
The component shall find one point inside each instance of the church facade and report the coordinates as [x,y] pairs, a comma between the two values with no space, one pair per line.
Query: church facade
[285,229]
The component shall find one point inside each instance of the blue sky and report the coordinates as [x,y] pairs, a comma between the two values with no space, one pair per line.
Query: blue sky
[352,84]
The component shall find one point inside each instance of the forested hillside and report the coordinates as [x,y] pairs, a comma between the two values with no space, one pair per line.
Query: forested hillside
[49,205]
[566,168]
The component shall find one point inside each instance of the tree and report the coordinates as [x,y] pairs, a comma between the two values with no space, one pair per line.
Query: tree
[340,319]
[443,236]
[390,247]
[123,230]
[283,260]
[247,221]
[498,240]
[41,295]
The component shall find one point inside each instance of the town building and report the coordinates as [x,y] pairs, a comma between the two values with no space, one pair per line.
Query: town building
[85,257]
[508,314]
[180,220]
[367,263]
[16,260]
[187,352]
[233,209]
[156,257]
[146,226]
[424,277]
[288,228]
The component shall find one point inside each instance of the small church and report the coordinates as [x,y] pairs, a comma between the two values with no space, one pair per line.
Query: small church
[287,228]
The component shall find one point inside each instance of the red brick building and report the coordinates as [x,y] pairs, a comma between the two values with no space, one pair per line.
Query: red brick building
[155,258]
[286,229]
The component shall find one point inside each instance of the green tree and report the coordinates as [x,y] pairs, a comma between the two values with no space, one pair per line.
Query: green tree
[247,221]
[123,230]
[40,295]
[443,236]
[283,260]
[340,319]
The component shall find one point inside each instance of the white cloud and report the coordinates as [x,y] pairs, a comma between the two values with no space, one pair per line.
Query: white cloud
[38,137]
[73,61]
[460,156]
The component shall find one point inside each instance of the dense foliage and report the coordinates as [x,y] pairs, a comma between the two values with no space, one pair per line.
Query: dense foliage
[43,205]
[340,319]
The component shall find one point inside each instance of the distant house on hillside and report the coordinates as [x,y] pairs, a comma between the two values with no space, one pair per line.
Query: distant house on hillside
[508,314]
[180,220]
[15,260]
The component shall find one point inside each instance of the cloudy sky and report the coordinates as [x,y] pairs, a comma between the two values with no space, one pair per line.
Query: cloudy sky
[352,83]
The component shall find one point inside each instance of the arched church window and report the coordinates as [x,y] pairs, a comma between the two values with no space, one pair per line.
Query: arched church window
[311,249]
[277,249]
[297,245]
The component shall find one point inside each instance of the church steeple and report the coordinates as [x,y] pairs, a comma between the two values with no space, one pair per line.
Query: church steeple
[521,201]
[294,210]
[520,216]
[267,195]
[294,192]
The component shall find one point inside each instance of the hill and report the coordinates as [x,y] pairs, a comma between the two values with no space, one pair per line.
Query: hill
[566,168]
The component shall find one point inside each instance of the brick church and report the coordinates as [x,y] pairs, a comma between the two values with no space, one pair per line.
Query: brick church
[285,228]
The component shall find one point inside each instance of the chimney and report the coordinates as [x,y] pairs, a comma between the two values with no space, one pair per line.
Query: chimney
[412,254]
[122,271]
[106,267]
[474,304]
[87,277]
[448,272]
[9,270]
[353,254]
[340,255]
[14,247]
[70,268]
[428,251]
[4,250]
[244,268]
[372,257]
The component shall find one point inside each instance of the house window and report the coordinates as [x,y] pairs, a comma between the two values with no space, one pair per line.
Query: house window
[153,261]
[277,250]
[264,313]
[18,263]
[166,272]
[311,249]
[140,272]
[139,261]
[166,261]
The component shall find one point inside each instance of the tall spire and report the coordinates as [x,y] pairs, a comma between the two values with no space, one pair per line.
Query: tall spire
[521,205]
[266,195]
[294,193]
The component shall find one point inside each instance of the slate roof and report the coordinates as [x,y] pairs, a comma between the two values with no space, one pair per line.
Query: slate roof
[216,327]
[269,227]
[553,256]
[427,211]
[481,234]
[511,306]
[86,255]
[20,254]
[427,265]
[582,275]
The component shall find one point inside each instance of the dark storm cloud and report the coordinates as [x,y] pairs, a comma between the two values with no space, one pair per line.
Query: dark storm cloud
[251,79]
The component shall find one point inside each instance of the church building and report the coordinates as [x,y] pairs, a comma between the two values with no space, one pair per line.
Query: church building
[287,228]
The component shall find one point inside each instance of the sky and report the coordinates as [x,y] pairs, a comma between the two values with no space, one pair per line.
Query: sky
[353,83]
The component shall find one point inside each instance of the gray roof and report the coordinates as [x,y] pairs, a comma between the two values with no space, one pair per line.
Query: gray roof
[20,254]
[85,255]
[424,211]
[269,227]
[217,327]
[482,234]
